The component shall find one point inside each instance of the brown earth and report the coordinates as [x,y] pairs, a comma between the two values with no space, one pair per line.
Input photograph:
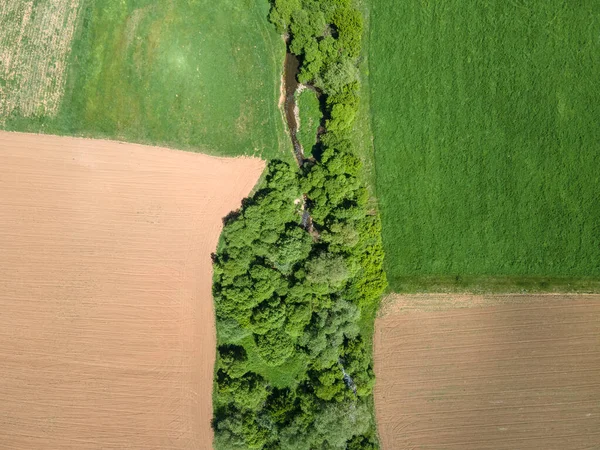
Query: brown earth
[489,372]
[107,337]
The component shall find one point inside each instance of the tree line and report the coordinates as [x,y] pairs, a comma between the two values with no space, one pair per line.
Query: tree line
[286,292]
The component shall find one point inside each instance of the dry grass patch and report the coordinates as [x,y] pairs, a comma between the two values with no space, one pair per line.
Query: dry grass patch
[35,42]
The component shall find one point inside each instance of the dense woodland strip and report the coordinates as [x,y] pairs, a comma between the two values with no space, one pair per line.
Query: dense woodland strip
[295,304]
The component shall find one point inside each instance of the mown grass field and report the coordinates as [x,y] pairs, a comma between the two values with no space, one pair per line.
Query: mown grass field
[487,144]
[194,75]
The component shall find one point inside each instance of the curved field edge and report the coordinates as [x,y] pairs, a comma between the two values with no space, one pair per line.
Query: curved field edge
[199,76]
[485,145]
[105,287]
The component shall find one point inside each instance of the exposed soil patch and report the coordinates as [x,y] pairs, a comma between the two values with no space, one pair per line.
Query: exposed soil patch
[508,372]
[107,337]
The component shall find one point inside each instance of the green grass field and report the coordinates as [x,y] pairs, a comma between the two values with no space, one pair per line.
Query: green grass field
[487,142]
[310,115]
[197,75]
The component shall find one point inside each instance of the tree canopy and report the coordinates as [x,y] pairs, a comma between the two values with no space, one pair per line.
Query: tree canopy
[288,296]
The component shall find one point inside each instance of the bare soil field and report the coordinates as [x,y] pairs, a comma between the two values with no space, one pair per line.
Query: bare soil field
[107,337]
[35,42]
[489,372]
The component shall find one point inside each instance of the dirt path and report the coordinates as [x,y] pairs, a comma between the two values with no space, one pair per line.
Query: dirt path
[489,372]
[107,337]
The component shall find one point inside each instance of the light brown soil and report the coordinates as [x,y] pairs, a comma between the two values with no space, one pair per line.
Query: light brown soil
[505,373]
[107,337]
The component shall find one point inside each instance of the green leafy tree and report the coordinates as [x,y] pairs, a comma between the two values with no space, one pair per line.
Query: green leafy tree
[274,347]
[328,269]
[292,246]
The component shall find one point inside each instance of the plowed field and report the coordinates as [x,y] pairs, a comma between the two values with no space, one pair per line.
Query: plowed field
[107,337]
[489,373]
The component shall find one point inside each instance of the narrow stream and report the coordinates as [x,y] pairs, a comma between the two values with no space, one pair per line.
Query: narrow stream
[348,379]
[291,70]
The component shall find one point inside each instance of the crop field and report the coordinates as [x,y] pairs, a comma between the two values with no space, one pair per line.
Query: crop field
[196,75]
[35,42]
[108,336]
[489,372]
[485,118]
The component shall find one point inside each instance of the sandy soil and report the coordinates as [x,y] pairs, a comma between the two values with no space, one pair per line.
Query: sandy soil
[107,337]
[504,373]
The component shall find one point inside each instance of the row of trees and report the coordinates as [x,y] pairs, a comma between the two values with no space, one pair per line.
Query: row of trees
[288,294]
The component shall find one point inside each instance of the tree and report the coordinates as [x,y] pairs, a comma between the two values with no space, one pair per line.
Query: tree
[233,360]
[245,392]
[327,269]
[292,246]
[337,76]
[274,347]
[268,315]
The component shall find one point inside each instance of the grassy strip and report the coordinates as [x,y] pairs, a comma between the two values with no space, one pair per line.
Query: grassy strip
[487,144]
[196,75]
[362,134]
[495,285]
[300,298]
[309,111]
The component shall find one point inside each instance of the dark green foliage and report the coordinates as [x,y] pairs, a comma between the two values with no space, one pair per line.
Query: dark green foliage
[232,359]
[327,35]
[363,442]
[292,297]
[275,346]
[357,363]
[349,28]
[246,392]
[281,13]
[292,246]
[297,296]
[343,106]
